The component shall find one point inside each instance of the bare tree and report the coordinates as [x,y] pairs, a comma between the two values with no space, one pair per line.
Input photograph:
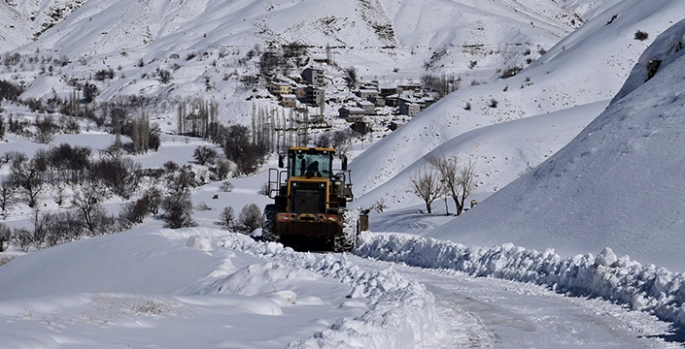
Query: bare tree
[153,199]
[239,148]
[467,183]
[323,141]
[23,238]
[45,129]
[457,178]
[426,184]
[222,169]
[205,154]
[40,226]
[64,227]
[165,76]
[118,173]
[351,77]
[6,193]
[250,218]
[88,207]
[134,212]
[443,85]
[178,210]
[5,237]
[227,219]
[341,140]
[265,189]
[183,179]
[28,176]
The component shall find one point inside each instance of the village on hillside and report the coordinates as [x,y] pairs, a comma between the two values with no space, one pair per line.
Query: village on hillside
[365,106]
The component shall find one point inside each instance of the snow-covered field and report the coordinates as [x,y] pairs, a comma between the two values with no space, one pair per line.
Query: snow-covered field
[204,288]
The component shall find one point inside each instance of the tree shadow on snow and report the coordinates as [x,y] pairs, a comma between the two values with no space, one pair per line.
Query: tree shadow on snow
[675,335]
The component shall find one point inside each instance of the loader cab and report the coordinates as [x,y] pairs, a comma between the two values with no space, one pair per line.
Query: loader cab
[310,172]
[310,162]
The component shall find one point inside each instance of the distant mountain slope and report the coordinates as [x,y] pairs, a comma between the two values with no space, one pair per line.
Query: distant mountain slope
[209,45]
[587,66]
[408,33]
[387,40]
[619,184]
[587,9]
[25,20]
[13,31]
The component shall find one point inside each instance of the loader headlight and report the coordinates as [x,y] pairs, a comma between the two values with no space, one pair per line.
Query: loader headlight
[331,217]
[283,217]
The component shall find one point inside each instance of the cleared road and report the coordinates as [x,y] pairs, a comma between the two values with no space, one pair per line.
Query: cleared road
[492,313]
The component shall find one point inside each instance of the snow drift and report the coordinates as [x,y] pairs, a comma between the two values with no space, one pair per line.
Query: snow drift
[619,279]
[618,184]
[242,279]
[401,312]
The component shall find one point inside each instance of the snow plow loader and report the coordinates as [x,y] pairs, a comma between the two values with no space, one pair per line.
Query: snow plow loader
[310,211]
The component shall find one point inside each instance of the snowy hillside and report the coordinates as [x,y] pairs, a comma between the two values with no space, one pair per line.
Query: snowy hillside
[618,184]
[385,40]
[588,66]
[502,152]
[208,48]
[12,31]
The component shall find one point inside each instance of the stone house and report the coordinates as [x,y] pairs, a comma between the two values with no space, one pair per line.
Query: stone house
[369,107]
[388,91]
[378,101]
[351,114]
[314,77]
[366,93]
[410,109]
[280,88]
[391,100]
[314,96]
[408,99]
[361,127]
[288,101]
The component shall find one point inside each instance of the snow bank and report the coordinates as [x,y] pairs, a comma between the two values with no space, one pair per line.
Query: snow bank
[199,243]
[642,287]
[400,313]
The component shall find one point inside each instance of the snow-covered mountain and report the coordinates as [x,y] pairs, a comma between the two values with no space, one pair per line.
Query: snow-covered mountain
[385,40]
[617,184]
[587,66]
[209,46]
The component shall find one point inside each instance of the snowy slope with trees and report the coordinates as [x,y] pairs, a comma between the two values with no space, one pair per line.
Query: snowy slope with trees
[590,65]
[172,51]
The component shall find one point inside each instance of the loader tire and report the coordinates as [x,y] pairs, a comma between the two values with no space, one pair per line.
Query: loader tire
[347,240]
[267,223]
